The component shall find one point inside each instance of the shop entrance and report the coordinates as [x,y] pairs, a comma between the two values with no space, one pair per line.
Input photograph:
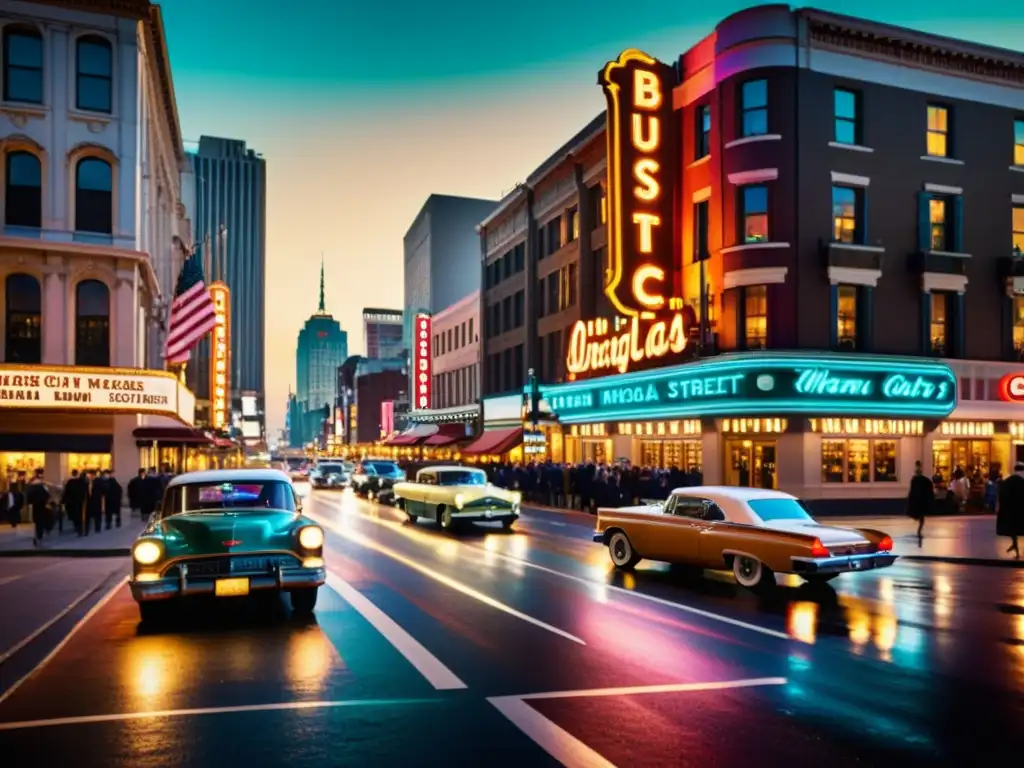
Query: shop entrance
[972,456]
[751,464]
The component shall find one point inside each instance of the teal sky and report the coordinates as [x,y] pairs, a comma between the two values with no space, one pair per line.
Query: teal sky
[364,109]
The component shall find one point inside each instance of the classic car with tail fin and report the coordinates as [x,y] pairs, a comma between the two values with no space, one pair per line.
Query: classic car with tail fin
[228,533]
[453,494]
[752,532]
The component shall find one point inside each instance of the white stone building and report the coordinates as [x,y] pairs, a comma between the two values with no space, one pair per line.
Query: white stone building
[93,175]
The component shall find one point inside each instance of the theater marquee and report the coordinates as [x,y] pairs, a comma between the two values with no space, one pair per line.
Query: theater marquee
[642,187]
[94,390]
[769,383]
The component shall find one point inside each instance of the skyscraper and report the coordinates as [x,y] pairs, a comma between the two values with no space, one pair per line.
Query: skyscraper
[322,347]
[230,230]
[383,333]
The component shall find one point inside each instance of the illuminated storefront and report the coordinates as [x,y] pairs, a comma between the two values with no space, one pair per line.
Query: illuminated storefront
[62,418]
[809,424]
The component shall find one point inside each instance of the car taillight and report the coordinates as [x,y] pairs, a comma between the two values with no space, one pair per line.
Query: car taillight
[818,549]
[885,545]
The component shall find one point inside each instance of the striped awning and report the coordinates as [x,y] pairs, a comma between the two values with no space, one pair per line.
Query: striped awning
[413,436]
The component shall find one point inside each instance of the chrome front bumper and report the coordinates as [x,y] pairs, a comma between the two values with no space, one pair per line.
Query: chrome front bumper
[485,515]
[843,563]
[169,587]
[599,537]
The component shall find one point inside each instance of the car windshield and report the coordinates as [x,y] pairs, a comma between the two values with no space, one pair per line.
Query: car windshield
[385,468]
[329,469]
[213,497]
[468,477]
[779,509]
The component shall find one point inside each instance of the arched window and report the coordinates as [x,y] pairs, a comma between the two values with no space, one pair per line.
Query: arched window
[23,65]
[23,191]
[95,68]
[23,300]
[94,199]
[92,323]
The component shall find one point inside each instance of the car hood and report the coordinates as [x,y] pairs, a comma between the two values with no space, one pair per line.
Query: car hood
[830,535]
[235,531]
[471,493]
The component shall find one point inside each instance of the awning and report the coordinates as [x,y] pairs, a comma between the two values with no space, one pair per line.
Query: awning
[496,441]
[171,435]
[447,434]
[413,436]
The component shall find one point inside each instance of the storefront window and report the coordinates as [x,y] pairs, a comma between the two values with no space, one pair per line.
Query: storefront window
[85,462]
[650,453]
[859,461]
[22,462]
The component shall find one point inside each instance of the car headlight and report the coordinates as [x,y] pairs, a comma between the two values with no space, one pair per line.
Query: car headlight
[459,500]
[517,497]
[147,552]
[311,537]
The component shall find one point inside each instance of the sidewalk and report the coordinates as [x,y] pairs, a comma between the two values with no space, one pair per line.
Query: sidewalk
[117,542]
[965,540]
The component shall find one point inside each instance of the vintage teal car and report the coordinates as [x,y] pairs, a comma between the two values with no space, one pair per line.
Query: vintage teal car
[228,533]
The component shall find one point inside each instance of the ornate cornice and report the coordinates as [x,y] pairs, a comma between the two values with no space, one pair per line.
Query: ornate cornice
[922,54]
[163,65]
[130,9]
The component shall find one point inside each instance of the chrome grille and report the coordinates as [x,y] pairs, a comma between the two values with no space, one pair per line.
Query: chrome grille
[227,565]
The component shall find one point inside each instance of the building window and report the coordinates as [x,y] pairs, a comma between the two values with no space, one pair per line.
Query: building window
[471,339]
[92,323]
[858,461]
[754,105]
[754,213]
[700,231]
[939,323]
[846,317]
[847,207]
[24,303]
[938,131]
[1018,327]
[95,74]
[1018,230]
[847,119]
[703,133]
[755,315]
[1018,143]
[94,198]
[24,190]
[517,309]
[520,256]
[938,222]
[23,65]
[573,224]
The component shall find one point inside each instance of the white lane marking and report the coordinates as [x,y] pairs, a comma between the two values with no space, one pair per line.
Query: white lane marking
[566,748]
[720,685]
[284,706]
[428,665]
[547,522]
[645,596]
[64,612]
[552,738]
[67,639]
[441,578]
[8,579]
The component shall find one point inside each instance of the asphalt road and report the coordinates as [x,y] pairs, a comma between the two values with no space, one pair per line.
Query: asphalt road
[493,648]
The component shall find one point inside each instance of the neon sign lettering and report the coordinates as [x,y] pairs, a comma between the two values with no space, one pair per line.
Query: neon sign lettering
[764,383]
[642,175]
[591,348]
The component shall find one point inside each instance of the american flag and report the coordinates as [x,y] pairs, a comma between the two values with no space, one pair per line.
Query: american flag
[192,313]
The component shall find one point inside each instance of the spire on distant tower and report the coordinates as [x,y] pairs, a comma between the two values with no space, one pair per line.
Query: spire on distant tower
[323,308]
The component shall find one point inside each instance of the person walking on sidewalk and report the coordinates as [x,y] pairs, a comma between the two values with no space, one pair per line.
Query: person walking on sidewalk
[920,500]
[136,493]
[113,493]
[1010,508]
[37,498]
[73,500]
[94,502]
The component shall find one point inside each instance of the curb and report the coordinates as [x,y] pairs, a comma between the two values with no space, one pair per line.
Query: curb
[982,561]
[109,552]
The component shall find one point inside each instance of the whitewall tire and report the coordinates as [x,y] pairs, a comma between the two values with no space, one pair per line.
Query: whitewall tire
[446,518]
[751,572]
[621,551]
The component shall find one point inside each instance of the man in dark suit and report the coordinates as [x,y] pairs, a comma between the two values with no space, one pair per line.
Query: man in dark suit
[113,493]
[95,501]
[137,494]
[73,501]
[1010,508]
[920,500]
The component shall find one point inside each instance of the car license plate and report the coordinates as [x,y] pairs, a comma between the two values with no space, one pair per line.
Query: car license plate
[231,587]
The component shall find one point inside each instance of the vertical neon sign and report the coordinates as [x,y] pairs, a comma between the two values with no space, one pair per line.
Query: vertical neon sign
[421,362]
[220,355]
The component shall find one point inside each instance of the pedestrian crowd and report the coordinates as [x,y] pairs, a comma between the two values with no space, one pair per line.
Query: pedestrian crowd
[87,500]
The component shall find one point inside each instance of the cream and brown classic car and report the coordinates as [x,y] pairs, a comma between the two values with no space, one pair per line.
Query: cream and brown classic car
[752,532]
[452,495]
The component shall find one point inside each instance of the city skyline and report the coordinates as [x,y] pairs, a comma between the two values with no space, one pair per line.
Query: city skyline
[426,109]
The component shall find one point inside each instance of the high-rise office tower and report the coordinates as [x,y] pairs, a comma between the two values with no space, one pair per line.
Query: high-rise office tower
[230,231]
[322,347]
[383,333]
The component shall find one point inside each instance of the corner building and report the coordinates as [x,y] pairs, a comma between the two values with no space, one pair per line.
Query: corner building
[846,190]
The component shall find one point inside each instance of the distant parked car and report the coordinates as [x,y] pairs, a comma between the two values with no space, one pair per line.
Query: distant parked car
[372,477]
[450,495]
[331,474]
